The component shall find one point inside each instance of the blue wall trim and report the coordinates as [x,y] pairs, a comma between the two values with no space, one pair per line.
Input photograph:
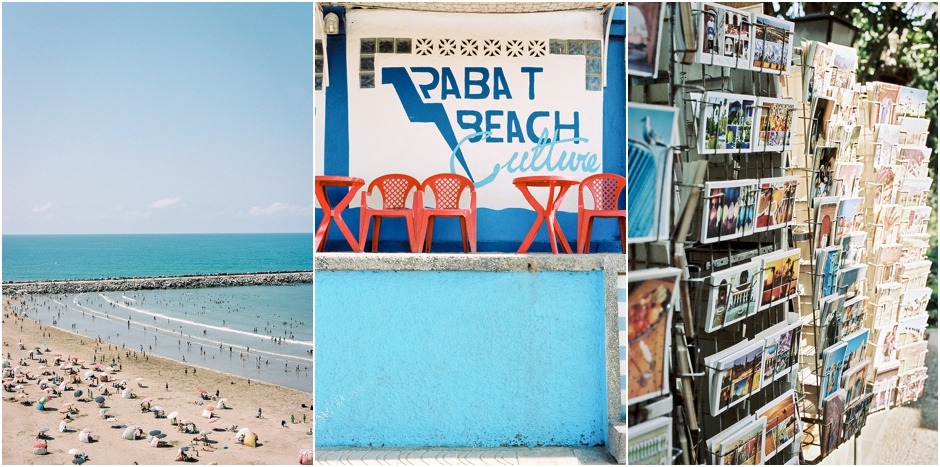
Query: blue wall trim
[430,358]
[336,146]
[498,230]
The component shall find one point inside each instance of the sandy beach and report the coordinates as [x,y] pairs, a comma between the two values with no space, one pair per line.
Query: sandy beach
[172,386]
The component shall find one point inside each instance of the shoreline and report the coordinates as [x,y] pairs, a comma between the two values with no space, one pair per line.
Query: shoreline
[156,283]
[280,445]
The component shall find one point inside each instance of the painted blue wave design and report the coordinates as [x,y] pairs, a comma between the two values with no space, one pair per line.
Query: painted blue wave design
[642,182]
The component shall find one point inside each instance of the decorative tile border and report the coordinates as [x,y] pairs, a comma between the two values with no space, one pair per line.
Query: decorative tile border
[470,47]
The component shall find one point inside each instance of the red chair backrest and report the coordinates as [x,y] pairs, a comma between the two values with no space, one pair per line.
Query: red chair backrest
[447,189]
[395,189]
[605,188]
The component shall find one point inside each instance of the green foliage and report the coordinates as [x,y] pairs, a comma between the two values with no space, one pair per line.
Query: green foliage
[912,63]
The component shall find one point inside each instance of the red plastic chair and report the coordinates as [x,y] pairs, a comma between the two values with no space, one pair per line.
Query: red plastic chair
[447,189]
[605,189]
[394,190]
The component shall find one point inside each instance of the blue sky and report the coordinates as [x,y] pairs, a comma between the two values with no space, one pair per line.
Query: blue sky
[157,118]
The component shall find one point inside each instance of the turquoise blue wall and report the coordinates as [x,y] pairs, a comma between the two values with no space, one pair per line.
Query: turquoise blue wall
[426,358]
[497,230]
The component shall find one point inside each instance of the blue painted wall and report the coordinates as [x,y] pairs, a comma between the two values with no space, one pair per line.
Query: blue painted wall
[424,358]
[498,230]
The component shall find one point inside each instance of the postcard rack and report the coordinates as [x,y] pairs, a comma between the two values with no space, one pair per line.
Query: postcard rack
[702,178]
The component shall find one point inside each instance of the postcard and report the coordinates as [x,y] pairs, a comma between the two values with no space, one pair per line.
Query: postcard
[773,44]
[781,345]
[832,369]
[855,417]
[823,175]
[774,124]
[650,297]
[912,356]
[833,408]
[826,209]
[650,442]
[780,272]
[724,37]
[887,255]
[849,217]
[734,376]
[746,447]
[887,223]
[914,191]
[727,123]
[913,131]
[914,247]
[884,349]
[886,97]
[830,322]
[887,139]
[828,260]
[854,381]
[913,275]
[885,184]
[842,74]
[853,246]
[730,210]
[915,219]
[853,315]
[914,302]
[645,38]
[914,160]
[885,382]
[783,422]
[846,179]
[814,83]
[822,114]
[856,346]
[649,171]
[912,101]
[732,295]
[910,389]
[776,203]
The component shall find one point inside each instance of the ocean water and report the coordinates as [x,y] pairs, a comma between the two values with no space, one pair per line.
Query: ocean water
[42,257]
[258,332]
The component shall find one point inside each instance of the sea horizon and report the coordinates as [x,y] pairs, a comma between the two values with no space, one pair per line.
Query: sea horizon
[42,257]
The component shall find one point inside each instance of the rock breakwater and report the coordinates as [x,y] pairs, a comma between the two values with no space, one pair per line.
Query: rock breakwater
[153,283]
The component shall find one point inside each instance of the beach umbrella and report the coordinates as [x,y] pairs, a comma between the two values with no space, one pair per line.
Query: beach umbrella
[146,400]
[213,420]
[184,448]
[104,411]
[76,452]
[89,374]
[203,391]
[130,433]
[99,399]
[40,445]
[156,408]
[78,393]
[242,431]
[78,460]
[206,432]
[138,379]
[155,432]
[210,408]
[44,399]
[44,429]
[173,415]
[67,405]
[18,386]
[160,436]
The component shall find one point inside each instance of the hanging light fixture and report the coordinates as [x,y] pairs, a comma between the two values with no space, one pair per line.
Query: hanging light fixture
[331,23]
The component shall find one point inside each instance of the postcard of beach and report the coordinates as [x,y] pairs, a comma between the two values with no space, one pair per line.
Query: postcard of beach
[157,233]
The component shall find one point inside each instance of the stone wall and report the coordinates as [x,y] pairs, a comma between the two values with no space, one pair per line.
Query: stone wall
[151,283]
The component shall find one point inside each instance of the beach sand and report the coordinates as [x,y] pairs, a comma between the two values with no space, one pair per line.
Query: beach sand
[277,444]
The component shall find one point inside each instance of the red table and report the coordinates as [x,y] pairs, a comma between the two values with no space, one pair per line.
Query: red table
[321,182]
[547,213]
